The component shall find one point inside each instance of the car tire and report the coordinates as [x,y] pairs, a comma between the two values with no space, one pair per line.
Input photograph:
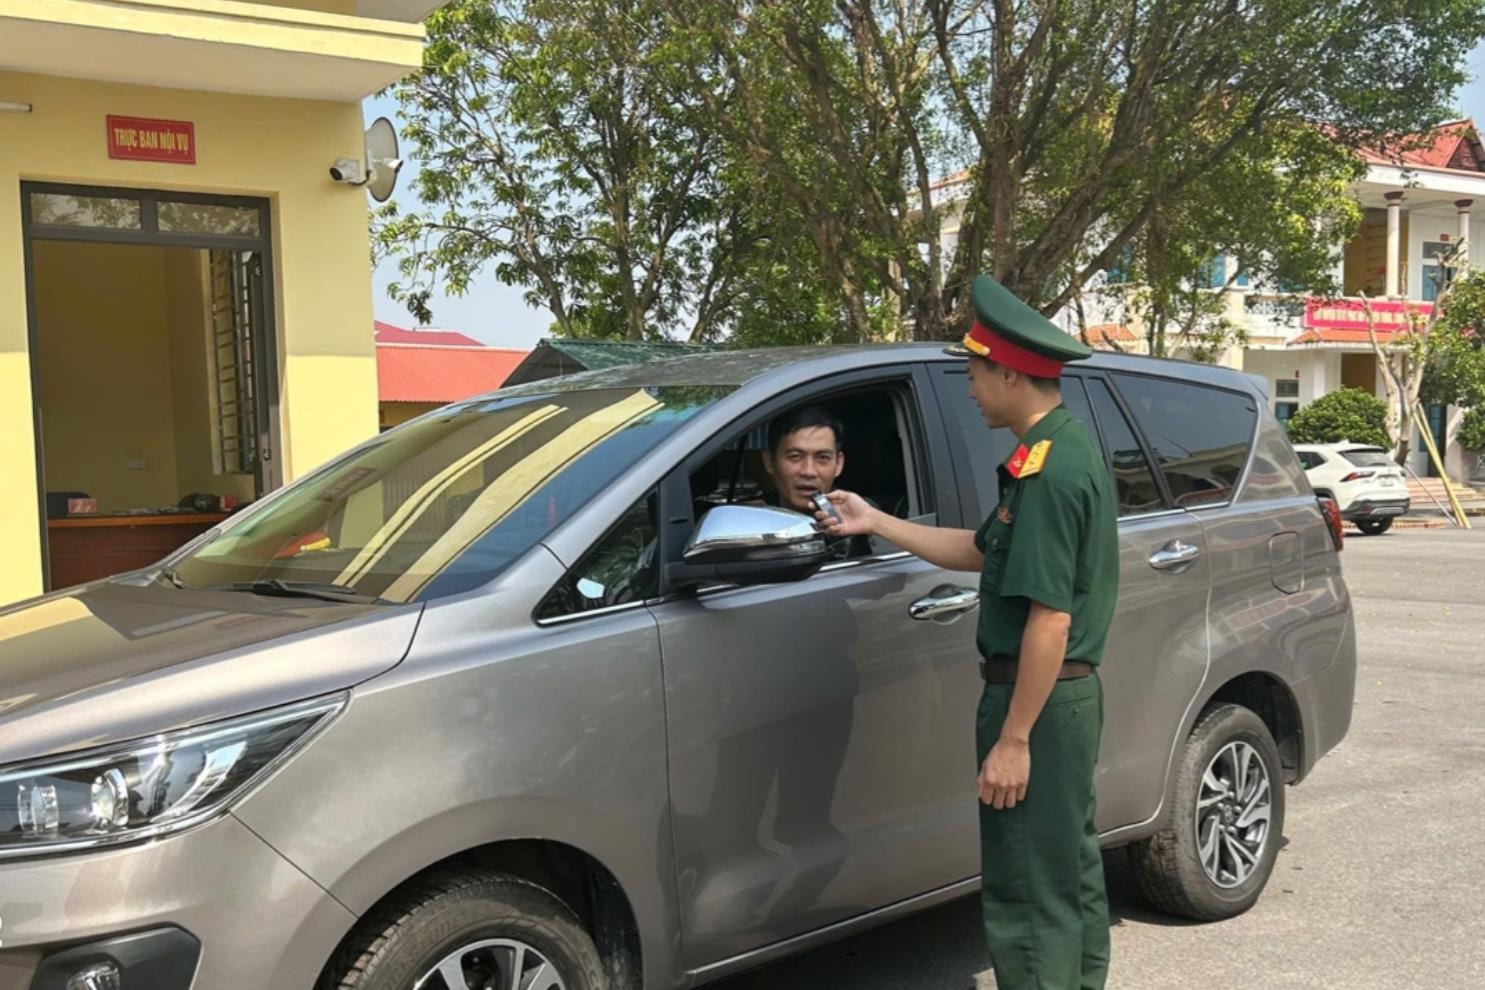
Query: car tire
[1374,527]
[473,924]
[1176,872]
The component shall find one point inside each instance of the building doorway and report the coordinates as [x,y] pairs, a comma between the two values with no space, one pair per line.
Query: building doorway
[1438,426]
[153,370]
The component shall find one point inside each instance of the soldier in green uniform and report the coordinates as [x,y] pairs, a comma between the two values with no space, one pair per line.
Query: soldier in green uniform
[1049,575]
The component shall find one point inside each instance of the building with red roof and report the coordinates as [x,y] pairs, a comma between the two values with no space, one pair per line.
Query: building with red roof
[419,370]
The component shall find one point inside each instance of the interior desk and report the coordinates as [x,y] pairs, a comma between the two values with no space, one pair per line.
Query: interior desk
[85,548]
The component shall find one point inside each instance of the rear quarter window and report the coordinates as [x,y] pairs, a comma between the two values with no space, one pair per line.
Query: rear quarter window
[1368,458]
[1202,436]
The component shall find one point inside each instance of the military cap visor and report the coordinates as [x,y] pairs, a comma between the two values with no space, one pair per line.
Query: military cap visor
[1015,336]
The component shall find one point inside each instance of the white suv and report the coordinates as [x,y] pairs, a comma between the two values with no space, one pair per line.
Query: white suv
[1364,481]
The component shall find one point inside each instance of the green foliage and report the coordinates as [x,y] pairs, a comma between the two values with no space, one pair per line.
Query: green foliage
[1456,370]
[1345,414]
[559,153]
[765,170]
[1472,431]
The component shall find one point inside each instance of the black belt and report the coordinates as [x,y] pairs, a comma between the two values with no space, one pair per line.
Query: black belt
[999,671]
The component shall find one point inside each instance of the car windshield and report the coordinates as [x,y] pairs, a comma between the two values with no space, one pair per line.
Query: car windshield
[1369,457]
[446,502]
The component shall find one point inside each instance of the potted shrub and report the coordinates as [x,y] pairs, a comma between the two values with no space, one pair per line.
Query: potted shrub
[1471,437]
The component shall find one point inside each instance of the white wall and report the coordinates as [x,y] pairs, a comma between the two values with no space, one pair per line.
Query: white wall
[1318,371]
[1428,225]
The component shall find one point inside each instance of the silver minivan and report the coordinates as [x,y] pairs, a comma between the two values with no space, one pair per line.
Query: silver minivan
[537,691]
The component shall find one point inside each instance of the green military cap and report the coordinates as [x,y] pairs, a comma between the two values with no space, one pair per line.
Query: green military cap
[1012,334]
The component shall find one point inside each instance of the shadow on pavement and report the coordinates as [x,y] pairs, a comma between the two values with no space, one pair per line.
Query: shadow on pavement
[941,949]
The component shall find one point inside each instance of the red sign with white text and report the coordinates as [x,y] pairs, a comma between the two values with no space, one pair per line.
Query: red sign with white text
[1390,315]
[142,139]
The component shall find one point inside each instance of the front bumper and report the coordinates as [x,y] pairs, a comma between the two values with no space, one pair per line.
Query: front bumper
[1376,508]
[261,923]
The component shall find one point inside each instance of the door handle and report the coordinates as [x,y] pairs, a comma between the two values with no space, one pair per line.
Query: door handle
[946,602]
[1174,555]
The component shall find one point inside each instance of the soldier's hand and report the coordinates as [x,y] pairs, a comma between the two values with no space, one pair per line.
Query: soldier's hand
[1004,776]
[855,515]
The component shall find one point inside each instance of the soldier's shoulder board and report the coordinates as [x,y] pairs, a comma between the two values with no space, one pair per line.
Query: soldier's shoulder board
[1033,461]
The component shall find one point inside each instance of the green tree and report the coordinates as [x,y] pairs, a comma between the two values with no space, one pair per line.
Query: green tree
[666,166]
[1456,370]
[558,155]
[1345,414]
[1177,266]
[1084,125]
[1472,431]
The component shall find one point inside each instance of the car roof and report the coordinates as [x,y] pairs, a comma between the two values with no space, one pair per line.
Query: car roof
[737,368]
[1343,446]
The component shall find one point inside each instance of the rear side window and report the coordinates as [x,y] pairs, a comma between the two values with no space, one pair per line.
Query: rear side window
[1369,457]
[987,448]
[990,448]
[1201,436]
[1134,483]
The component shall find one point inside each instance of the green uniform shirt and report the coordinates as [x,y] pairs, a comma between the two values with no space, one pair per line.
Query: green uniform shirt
[1053,540]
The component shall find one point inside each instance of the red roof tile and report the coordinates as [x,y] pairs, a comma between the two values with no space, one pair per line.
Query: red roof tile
[1337,335]
[1102,334]
[386,333]
[1451,145]
[406,373]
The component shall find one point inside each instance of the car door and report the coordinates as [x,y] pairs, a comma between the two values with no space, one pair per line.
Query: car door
[1156,654]
[821,740]
[1158,649]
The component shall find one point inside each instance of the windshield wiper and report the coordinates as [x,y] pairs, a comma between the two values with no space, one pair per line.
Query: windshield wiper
[280,588]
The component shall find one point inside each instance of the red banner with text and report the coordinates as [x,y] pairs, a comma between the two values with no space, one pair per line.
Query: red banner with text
[143,139]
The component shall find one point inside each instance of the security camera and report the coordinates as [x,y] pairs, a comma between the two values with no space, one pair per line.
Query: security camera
[349,171]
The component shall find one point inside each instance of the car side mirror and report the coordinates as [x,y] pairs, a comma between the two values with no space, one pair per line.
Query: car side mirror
[748,544]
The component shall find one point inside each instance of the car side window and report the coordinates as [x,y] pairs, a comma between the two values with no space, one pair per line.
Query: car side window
[620,568]
[780,460]
[1076,401]
[1134,482]
[1201,436]
[988,448]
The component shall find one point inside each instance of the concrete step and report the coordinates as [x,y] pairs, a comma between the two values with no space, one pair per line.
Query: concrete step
[1421,490]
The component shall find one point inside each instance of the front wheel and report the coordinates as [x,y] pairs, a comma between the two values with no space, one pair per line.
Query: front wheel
[461,930]
[1374,527]
[1216,853]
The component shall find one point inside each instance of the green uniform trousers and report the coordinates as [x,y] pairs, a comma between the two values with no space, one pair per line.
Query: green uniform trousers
[1045,906]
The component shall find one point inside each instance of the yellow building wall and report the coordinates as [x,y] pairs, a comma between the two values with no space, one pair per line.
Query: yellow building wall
[397,413]
[104,362]
[1366,256]
[276,148]
[124,375]
[323,6]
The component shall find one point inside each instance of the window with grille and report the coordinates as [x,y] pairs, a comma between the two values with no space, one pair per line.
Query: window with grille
[235,277]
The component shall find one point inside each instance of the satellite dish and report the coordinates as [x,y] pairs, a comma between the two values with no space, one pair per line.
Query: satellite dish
[382,163]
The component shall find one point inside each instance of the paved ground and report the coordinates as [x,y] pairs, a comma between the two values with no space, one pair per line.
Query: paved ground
[1381,883]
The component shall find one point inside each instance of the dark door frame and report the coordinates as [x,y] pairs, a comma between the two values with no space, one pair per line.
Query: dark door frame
[149,234]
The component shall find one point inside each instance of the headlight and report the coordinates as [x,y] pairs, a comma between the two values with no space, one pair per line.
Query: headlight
[150,787]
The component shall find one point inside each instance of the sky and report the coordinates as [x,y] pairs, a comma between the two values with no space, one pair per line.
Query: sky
[496,315]
[490,312]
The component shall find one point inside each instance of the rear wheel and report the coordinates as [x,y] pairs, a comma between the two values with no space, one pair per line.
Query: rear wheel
[1374,527]
[1214,857]
[468,931]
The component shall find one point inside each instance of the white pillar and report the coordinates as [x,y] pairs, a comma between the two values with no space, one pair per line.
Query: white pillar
[1463,206]
[1394,241]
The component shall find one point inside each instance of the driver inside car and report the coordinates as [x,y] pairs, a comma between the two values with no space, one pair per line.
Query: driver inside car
[805,455]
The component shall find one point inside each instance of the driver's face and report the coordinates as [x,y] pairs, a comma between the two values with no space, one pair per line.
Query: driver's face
[806,461]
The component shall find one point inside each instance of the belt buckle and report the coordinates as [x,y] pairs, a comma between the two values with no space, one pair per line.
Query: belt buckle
[984,673]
